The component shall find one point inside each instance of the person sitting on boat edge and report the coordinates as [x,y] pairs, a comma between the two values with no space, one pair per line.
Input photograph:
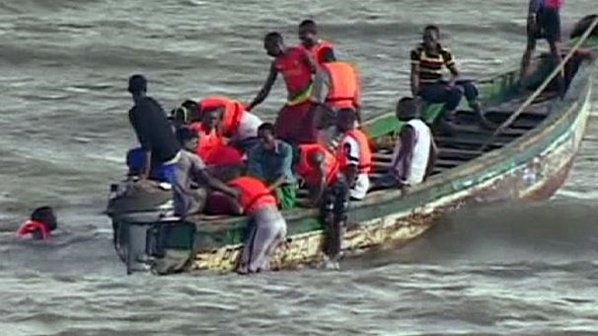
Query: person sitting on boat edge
[153,130]
[191,175]
[427,61]
[267,226]
[272,161]
[415,151]
[40,224]
[320,50]
[354,158]
[235,122]
[318,168]
[297,67]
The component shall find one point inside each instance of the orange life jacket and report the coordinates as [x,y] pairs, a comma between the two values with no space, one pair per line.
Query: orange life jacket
[232,115]
[31,226]
[254,193]
[344,89]
[365,153]
[208,141]
[297,74]
[311,173]
[317,51]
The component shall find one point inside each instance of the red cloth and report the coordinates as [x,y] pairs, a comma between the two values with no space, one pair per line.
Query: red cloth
[224,155]
[31,226]
[295,124]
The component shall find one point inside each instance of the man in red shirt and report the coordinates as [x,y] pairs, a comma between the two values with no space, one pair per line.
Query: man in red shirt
[295,120]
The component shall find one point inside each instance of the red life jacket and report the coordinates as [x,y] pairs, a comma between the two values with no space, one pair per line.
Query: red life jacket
[310,173]
[31,226]
[232,115]
[317,51]
[365,153]
[554,3]
[208,141]
[224,155]
[297,74]
[254,193]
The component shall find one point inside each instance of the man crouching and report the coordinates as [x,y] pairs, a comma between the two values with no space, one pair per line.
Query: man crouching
[268,228]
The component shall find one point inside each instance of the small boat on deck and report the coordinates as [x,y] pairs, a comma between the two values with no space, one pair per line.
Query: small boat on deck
[529,159]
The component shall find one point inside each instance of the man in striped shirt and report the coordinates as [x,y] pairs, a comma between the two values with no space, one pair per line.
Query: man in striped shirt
[427,62]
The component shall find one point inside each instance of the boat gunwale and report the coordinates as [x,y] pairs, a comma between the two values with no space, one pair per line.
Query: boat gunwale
[476,165]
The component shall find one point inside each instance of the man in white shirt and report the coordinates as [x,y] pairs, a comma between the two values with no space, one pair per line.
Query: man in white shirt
[415,152]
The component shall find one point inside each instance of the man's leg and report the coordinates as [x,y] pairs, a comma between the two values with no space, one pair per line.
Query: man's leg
[553,36]
[471,93]
[335,215]
[532,30]
[248,248]
[439,93]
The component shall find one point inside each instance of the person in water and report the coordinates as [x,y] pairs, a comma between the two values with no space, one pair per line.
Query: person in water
[543,21]
[191,171]
[320,50]
[294,123]
[272,161]
[40,225]
[153,130]
[427,62]
[354,159]
[415,152]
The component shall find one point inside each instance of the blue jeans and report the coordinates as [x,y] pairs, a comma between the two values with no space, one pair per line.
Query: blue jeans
[438,93]
[169,172]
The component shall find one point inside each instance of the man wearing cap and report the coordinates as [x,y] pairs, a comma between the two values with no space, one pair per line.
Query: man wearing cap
[153,130]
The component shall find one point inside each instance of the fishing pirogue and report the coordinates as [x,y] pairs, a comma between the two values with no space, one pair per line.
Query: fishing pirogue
[529,158]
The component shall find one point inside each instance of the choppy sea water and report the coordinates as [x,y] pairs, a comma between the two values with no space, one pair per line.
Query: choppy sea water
[525,269]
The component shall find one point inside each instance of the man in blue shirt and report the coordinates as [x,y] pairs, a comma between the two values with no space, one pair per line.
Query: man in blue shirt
[272,160]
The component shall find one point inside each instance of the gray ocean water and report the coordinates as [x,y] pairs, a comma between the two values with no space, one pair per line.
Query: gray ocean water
[510,269]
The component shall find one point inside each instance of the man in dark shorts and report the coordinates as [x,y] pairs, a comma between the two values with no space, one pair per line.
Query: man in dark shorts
[543,22]
[154,131]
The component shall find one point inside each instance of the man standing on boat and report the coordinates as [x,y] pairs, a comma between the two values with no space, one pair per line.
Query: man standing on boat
[154,131]
[320,50]
[415,151]
[354,159]
[427,62]
[336,86]
[543,21]
[294,123]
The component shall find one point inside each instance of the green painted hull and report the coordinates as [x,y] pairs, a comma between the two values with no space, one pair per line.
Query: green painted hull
[533,166]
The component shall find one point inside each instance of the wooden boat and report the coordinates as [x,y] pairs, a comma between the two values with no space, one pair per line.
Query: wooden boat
[530,159]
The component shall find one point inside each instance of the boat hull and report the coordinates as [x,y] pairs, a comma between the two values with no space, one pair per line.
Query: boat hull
[538,168]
